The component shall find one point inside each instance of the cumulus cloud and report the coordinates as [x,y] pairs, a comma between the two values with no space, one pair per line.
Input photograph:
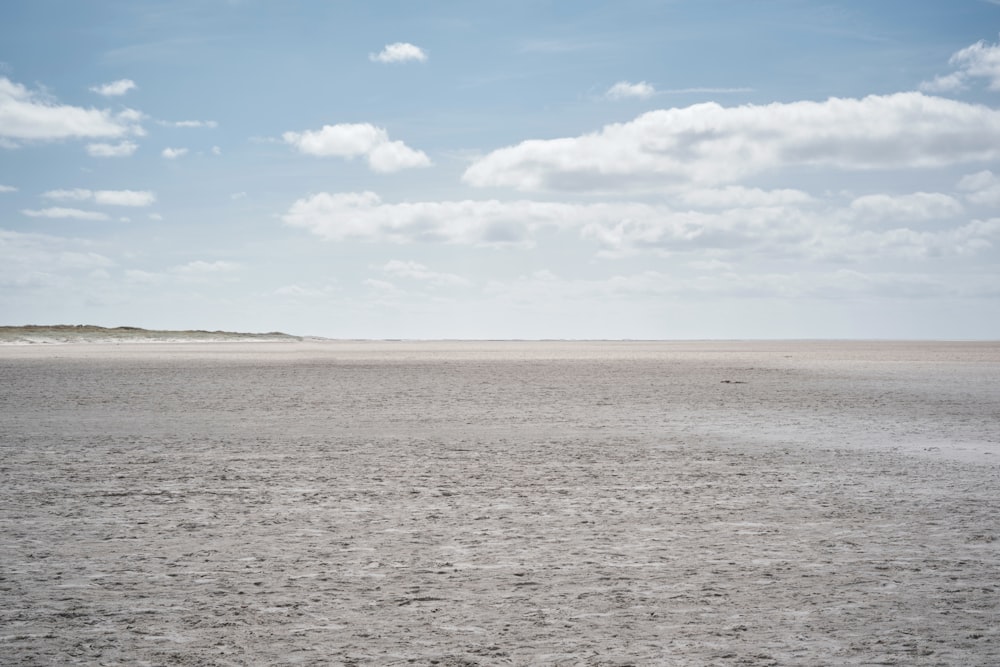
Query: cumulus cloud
[981,188]
[59,212]
[105,197]
[826,234]
[363,216]
[945,83]
[736,196]
[709,145]
[115,88]
[915,207]
[978,61]
[769,224]
[624,89]
[174,153]
[768,231]
[133,116]
[962,241]
[7,188]
[27,115]
[393,156]
[728,225]
[121,149]
[349,140]
[417,271]
[399,52]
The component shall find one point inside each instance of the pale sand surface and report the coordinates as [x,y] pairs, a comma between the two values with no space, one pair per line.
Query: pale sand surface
[500,503]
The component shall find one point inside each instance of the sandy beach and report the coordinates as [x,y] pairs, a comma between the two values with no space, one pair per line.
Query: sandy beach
[491,503]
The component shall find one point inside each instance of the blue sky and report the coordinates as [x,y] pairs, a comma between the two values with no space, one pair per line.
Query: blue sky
[628,169]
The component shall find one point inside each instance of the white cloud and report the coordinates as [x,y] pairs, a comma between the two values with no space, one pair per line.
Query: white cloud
[132,116]
[978,61]
[238,195]
[174,153]
[122,149]
[964,241]
[124,197]
[27,115]
[781,225]
[736,196]
[828,234]
[105,197]
[155,216]
[618,227]
[624,89]
[58,212]
[417,271]
[363,215]
[768,231]
[78,194]
[982,187]
[343,140]
[981,60]
[915,207]
[115,88]
[7,188]
[216,150]
[708,144]
[944,83]
[191,123]
[399,52]
[349,140]
[395,155]
[200,271]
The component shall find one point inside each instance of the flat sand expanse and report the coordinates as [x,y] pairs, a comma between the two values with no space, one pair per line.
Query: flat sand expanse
[500,503]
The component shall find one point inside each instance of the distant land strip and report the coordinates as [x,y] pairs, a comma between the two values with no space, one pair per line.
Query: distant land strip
[89,333]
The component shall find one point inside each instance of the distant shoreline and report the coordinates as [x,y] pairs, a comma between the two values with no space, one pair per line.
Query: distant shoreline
[88,334]
[56,334]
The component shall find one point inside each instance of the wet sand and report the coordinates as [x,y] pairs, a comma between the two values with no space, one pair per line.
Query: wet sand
[446,503]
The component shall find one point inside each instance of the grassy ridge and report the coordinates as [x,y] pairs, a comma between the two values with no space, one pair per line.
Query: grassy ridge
[83,333]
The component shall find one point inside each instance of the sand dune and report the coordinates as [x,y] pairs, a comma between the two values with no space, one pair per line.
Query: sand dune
[86,333]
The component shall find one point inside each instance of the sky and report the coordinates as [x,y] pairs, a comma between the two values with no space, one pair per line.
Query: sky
[637,169]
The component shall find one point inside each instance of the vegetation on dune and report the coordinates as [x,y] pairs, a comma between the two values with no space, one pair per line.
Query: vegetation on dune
[90,332]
